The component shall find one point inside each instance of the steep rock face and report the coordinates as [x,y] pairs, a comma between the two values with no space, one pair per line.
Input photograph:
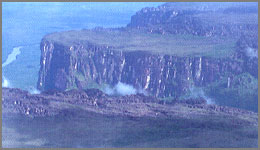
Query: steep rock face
[77,66]
[198,19]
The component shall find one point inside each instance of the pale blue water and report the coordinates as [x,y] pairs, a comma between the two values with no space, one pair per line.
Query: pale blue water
[24,25]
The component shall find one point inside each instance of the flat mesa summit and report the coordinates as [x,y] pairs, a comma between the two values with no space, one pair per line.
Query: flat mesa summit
[125,39]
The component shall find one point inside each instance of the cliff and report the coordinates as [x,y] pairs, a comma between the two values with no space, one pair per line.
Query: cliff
[202,19]
[164,64]
[79,64]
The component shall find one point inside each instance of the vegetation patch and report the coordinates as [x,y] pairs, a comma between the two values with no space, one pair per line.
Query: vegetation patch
[242,92]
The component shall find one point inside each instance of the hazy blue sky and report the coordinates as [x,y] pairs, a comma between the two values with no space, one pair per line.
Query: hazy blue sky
[24,24]
[74,6]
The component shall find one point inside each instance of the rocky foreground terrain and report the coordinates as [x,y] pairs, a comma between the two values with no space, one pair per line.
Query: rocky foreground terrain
[90,118]
[53,102]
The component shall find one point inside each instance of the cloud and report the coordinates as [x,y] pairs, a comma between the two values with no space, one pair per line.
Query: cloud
[12,57]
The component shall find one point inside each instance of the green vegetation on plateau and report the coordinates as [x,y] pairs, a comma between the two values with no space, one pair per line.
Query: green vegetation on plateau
[242,93]
[136,40]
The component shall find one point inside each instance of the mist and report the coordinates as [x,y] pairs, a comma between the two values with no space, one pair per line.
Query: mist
[5,82]
[12,57]
[123,89]
[33,90]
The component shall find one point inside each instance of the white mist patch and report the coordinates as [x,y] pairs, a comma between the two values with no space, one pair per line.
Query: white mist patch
[251,52]
[5,82]
[33,90]
[123,89]
[12,57]
[195,92]
[109,91]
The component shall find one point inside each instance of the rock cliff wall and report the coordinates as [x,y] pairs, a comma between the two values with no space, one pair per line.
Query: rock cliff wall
[77,66]
[198,19]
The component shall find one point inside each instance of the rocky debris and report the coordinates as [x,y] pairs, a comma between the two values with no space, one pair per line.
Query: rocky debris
[190,101]
[194,101]
[51,103]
